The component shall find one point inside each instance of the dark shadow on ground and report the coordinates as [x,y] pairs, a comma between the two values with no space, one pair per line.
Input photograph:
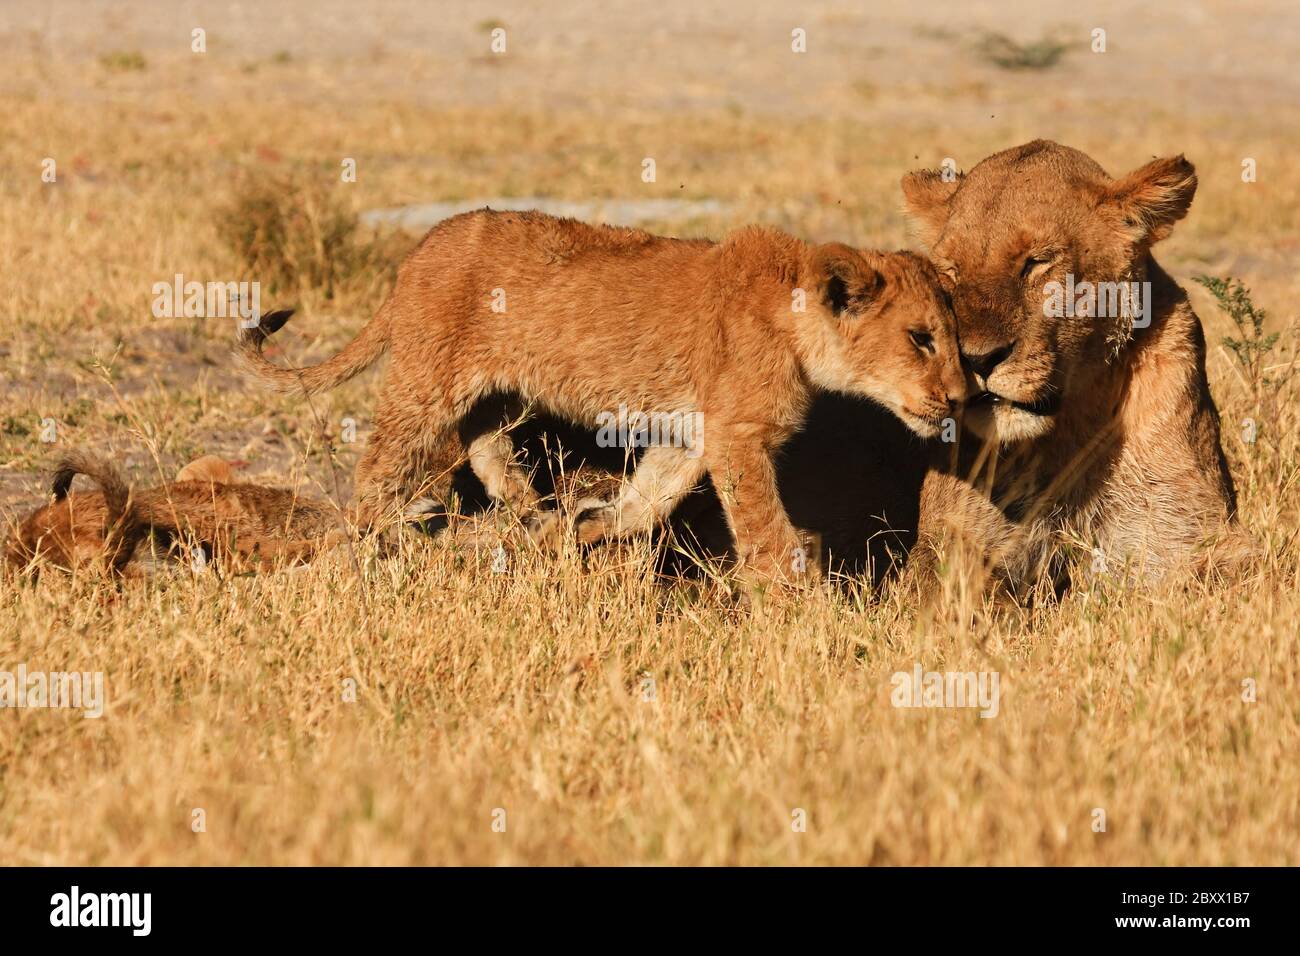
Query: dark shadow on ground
[852,476]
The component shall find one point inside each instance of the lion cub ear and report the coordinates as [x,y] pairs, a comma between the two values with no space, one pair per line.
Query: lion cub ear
[845,281]
[1151,199]
[926,194]
[210,468]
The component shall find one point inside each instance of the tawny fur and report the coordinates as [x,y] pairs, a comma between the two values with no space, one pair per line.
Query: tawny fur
[1091,429]
[238,525]
[210,468]
[591,318]
[97,530]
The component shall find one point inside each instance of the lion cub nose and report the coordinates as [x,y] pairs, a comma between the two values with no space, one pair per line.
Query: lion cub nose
[957,386]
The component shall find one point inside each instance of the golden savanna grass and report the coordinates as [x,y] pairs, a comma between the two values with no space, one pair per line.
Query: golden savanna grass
[614,719]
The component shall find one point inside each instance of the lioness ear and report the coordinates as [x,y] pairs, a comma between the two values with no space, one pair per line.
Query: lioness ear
[925,203]
[1151,199]
[845,280]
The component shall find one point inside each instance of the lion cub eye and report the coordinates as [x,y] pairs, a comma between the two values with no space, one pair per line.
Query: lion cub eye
[922,340]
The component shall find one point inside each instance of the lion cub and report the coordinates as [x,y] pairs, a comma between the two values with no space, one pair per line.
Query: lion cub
[236,524]
[589,321]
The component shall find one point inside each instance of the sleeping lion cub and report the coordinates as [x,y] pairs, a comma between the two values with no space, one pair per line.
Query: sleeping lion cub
[239,525]
[589,320]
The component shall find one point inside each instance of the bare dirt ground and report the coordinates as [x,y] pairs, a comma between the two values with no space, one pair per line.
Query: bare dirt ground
[525,691]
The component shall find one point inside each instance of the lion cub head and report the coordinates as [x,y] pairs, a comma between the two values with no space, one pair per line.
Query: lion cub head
[884,329]
[1040,250]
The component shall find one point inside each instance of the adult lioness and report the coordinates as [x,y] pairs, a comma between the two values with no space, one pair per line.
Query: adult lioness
[587,319]
[1097,422]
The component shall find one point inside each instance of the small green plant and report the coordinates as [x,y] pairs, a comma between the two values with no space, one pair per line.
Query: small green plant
[1011,55]
[123,61]
[1253,349]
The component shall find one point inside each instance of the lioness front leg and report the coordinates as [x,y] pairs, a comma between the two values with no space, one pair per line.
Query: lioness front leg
[662,477]
[960,527]
[767,545]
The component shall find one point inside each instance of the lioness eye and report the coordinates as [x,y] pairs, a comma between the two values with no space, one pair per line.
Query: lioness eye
[922,340]
[1032,263]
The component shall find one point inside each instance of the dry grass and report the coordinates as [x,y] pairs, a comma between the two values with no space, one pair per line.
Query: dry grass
[524,690]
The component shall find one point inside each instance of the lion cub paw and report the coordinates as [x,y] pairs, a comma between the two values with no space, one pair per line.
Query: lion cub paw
[544,530]
[596,521]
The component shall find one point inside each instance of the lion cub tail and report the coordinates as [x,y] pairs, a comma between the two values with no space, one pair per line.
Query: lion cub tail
[117,493]
[370,343]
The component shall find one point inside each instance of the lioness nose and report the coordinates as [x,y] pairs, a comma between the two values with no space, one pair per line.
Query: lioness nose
[983,365]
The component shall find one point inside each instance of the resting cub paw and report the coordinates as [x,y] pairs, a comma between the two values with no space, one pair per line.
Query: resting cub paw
[596,521]
[543,529]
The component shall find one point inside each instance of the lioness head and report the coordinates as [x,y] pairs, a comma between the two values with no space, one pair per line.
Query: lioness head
[887,332]
[1008,237]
